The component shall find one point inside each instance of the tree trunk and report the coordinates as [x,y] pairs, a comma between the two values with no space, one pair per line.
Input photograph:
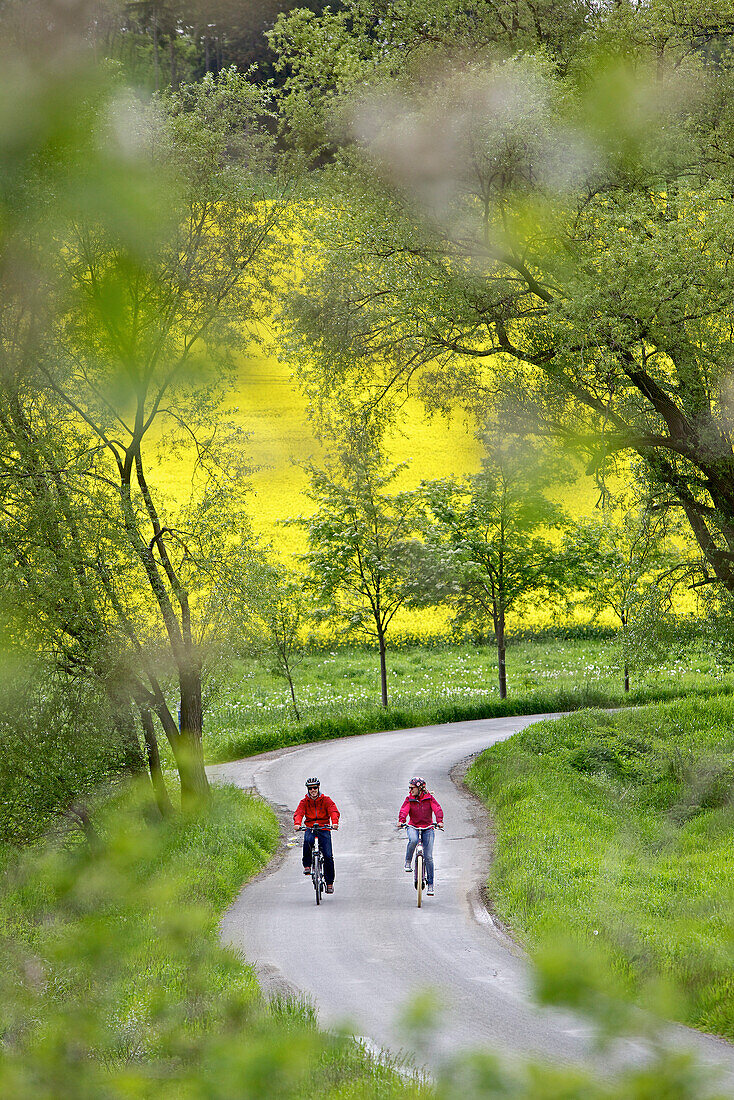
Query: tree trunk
[124,723]
[79,814]
[293,696]
[154,764]
[623,617]
[383,668]
[155,53]
[501,666]
[194,783]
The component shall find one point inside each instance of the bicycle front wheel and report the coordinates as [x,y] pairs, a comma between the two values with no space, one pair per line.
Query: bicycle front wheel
[318,877]
[419,877]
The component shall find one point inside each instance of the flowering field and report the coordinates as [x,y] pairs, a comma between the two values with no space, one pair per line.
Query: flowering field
[269,407]
[250,710]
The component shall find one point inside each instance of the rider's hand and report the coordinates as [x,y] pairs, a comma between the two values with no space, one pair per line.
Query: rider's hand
[334,827]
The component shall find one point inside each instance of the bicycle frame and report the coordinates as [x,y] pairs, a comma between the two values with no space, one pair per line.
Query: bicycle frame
[419,865]
[317,861]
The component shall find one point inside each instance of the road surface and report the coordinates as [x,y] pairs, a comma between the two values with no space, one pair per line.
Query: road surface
[365,952]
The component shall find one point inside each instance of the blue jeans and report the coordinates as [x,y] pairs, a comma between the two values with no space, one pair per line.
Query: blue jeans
[324,836]
[426,836]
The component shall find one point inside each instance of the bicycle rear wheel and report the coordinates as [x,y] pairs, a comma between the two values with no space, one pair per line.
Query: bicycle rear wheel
[419,877]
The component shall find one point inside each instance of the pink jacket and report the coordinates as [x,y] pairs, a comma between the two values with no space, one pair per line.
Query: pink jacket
[420,811]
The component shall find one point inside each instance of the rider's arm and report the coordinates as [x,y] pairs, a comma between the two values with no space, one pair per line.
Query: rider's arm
[333,812]
[437,810]
[403,812]
[299,812]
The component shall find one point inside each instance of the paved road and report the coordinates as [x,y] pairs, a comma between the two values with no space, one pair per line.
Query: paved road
[367,949]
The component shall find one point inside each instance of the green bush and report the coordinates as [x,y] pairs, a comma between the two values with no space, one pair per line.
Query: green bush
[58,745]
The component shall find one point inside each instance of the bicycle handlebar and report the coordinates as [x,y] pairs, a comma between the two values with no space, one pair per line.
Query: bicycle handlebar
[302,828]
[433,825]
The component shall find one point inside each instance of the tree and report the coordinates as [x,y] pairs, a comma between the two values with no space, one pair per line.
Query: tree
[117,349]
[325,56]
[272,609]
[365,558]
[515,225]
[620,557]
[495,526]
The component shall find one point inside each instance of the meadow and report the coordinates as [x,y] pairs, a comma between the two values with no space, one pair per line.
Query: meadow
[247,710]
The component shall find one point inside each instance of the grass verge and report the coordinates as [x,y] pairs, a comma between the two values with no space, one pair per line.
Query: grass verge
[617,829]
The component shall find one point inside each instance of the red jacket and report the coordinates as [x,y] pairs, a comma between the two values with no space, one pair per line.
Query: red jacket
[420,811]
[318,812]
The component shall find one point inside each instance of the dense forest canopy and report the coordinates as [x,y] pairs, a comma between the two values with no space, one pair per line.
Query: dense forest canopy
[169,42]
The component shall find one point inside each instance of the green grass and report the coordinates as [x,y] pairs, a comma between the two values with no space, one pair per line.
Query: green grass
[617,829]
[338,690]
[113,982]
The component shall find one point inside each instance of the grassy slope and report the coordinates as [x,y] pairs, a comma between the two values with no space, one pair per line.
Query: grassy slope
[618,830]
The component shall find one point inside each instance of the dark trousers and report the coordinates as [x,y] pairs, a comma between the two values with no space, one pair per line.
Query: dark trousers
[324,836]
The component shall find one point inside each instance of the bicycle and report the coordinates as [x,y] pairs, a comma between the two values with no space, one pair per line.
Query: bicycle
[317,861]
[420,878]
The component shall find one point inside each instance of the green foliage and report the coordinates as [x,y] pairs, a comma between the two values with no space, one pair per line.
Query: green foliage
[116,337]
[327,57]
[59,745]
[615,830]
[495,527]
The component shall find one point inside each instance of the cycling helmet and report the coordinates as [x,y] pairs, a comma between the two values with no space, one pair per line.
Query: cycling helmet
[313,782]
[416,781]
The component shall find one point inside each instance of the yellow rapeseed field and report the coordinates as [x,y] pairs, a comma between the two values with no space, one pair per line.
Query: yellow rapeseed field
[269,406]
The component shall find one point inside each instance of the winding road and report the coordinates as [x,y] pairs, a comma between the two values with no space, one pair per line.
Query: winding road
[363,955]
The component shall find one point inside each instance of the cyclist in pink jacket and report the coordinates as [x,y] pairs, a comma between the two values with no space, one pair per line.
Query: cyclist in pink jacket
[418,812]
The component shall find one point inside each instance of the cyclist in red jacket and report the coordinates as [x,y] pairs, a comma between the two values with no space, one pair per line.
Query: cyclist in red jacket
[418,811]
[319,811]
